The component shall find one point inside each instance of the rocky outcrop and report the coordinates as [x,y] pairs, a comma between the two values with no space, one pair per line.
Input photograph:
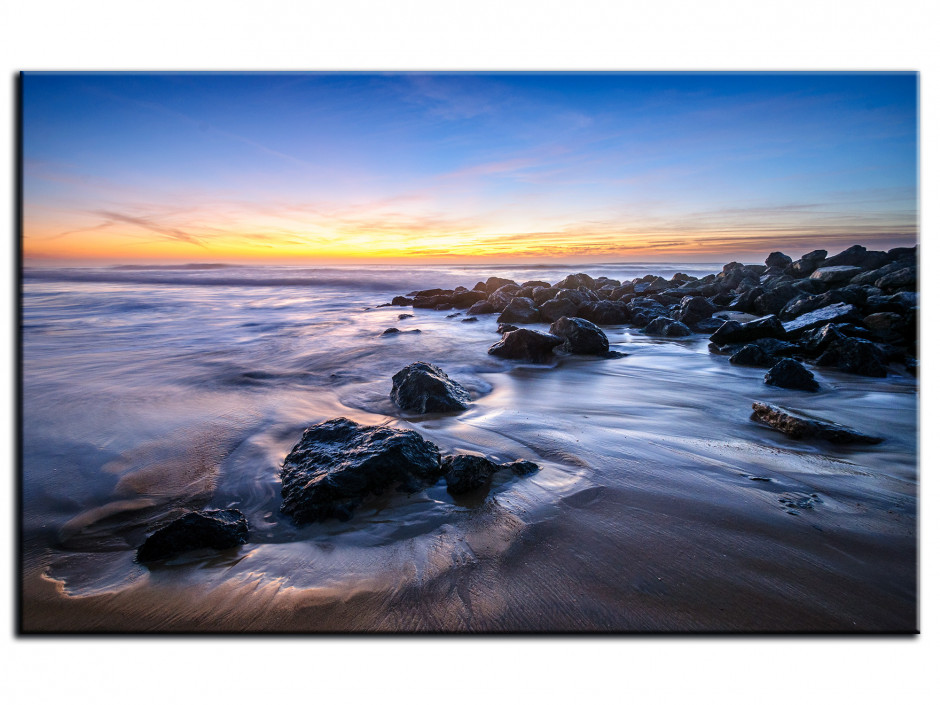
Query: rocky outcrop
[423,388]
[580,336]
[526,344]
[791,375]
[798,425]
[339,463]
[217,529]
[667,327]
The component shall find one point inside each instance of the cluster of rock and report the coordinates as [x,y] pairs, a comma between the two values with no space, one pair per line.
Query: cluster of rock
[856,310]
[338,464]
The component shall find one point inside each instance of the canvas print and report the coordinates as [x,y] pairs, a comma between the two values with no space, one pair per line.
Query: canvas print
[468,352]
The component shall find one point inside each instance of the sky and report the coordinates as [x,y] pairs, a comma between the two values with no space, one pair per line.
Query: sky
[345,168]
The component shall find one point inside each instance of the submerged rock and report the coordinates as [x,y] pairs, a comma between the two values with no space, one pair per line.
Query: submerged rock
[338,463]
[581,337]
[424,387]
[526,344]
[797,425]
[211,528]
[465,473]
[791,375]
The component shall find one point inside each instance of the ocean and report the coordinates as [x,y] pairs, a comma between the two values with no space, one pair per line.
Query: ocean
[148,390]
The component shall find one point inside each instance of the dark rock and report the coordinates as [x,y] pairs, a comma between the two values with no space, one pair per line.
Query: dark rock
[707,325]
[903,253]
[526,344]
[465,473]
[621,291]
[506,328]
[777,259]
[521,467]
[886,325]
[605,313]
[854,355]
[693,309]
[641,311]
[581,337]
[573,281]
[391,331]
[902,279]
[753,356]
[520,310]
[734,332]
[835,275]
[536,283]
[403,316]
[746,301]
[425,293]
[557,308]
[902,302]
[775,298]
[791,375]
[466,299]
[852,257]
[801,268]
[480,286]
[871,276]
[540,296]
[651,287]
[447,306]
[423,387]
[401,301]
[454,315]
[815,256]
[211,528]
[470,319]
[502,296]
[494,283]
[800,425]
[667,327]
[814,319]
[815,342]
[338,463]
[481,307]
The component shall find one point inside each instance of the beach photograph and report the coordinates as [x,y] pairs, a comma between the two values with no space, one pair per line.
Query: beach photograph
[499,352]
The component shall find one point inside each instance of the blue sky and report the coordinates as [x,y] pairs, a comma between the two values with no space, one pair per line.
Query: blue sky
[488,167]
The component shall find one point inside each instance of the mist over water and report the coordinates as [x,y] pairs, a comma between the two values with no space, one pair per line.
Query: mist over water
[148,390]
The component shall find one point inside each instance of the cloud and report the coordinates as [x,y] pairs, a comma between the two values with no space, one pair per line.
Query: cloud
[150,224]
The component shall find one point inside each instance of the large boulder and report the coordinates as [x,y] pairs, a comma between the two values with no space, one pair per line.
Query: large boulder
[481,307]
[581,337]
[520,310]
[735,332]
[503,295]
[667,327]
[905,279]
[835,313]
[791,375]
[573,281]
[693,309]
[777,259]
[835,275]
[752,356]
[339,463]
[854,355]
[211,528]
[494,283]
[466,299]
[424,387]
[605,313]
[558,307]
[797,425]
[526,344]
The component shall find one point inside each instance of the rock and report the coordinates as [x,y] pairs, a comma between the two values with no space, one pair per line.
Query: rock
[466,299]
[605,313]
[852,257]
[402,301]
[536,283]
[211,528]
[814,319]
[454,315]
[855,355]
[403,316]
[902,279]
[835,275]
[506,328]
[465,473]
[581,337]
[481,307]
[815,256]
[777,259]
[391,331]
[557,308]
[791,375]
[667,327]
[470,319]
[424,293]
[494,283]
[520,310]
[693,309]
[521,467]
[641,311]
[902,302]
[338,463]
[573,281]
[814,342]
[503,295]
[752,356]
[886,325]
[707,325]
[541,295]
[423,388]
[734,332]
[526,344]
[798,425]
[801,268]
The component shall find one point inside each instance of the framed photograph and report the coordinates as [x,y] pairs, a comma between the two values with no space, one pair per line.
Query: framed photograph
[453,353]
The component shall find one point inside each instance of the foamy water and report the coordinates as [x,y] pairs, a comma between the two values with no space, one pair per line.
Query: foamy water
[151,389]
